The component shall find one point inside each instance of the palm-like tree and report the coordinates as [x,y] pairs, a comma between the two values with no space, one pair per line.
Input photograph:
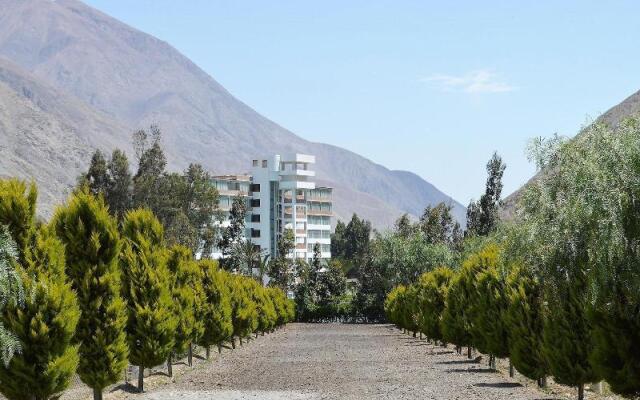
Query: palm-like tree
[10,291]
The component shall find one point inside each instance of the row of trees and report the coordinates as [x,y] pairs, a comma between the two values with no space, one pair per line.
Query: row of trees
[558,292]
[92,295]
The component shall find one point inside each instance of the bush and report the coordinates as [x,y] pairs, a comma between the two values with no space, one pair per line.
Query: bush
[218,325]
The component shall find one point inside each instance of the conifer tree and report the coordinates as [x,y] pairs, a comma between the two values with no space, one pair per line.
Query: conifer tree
[264,307]
[244,311]
[432,296]
[118,194]
[44,324]
[11,293]
[455,323]
[18,212]
[151,322]
[567,341]
[489,308]
[217,311]
[92,245]
[188,299]
[524,317]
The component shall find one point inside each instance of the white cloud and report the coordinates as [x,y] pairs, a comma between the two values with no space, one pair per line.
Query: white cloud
[480,81]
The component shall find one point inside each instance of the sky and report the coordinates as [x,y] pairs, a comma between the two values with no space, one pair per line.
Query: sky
[433,87]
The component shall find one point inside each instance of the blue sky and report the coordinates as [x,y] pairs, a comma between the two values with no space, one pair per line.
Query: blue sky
[430,87]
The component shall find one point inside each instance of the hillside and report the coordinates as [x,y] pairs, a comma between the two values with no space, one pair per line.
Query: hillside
[113,79]
[627,108]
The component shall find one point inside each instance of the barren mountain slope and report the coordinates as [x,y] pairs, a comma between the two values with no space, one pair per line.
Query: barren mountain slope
[135,79]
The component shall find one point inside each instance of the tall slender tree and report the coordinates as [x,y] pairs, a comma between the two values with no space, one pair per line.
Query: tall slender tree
[483,216]
[92,246]
[217,315]
[151,322]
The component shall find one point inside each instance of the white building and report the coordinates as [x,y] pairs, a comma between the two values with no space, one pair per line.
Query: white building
[281,194]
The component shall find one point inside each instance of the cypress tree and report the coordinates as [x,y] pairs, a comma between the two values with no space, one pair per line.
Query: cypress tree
[433,293]
[217,312]
[264,306]
[18,212]
[455,324]
[187,294]
[567,339]
[151,322]
[244,312]
[488,307]
[524,317]
[92,245]
[44,324]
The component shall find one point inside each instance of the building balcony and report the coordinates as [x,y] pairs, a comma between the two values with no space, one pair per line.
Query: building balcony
[320,213]
[284,185]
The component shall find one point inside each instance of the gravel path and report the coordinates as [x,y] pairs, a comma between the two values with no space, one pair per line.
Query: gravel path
[335,361]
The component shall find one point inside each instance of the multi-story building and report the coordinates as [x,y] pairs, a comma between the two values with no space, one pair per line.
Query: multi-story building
[285,196]
[281,194]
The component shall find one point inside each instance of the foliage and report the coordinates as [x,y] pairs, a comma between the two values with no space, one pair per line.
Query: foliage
[431,300]
[280,267]
[482,216]
[233,235]
[151,322]
[92,246]
[18,212]
[44,323]
[244,312]
[217,317]
[11,292]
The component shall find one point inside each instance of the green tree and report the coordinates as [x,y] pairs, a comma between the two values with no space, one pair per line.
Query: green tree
[44,323]
[218,323]
[148,182]
[431,300]
[118,194]
[188,296]
[151,322]
[97,176]
[483,215]
[92,245]
[244,313]
[280,267]
[11,292]
[233,234]
[404,227]
[18,212]
[456,323]
[438,225]
[524,317]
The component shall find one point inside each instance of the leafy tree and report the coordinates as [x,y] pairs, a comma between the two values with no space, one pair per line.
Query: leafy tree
[280,267]
[482,216]
[148,180]
[338,240]
[44,323]
[11,292]
[332,287]
[218,323]
[200,203]
[92,245]
[305,292]
[404,227]
[233,234]
[97,176]
[438,225]
[151,322]
[247,255]
[118,194]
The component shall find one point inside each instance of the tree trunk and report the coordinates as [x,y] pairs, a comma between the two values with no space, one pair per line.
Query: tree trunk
[414,334]
[97,394]
[208,352]
[240,340]
[140,379]
[420,335]
[511,369]
[581,391]
[233,342]
[169,367]
[542,382]
[469,352]
[190,355]
[219,349]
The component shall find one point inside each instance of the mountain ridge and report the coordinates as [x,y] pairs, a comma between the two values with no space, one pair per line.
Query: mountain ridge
[127,79]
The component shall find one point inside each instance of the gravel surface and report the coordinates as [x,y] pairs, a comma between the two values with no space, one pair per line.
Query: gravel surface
[334,361]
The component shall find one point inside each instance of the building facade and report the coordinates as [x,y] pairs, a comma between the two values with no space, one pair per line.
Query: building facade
[281,194]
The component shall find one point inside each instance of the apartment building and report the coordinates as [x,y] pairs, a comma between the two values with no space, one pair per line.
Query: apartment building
[281,194]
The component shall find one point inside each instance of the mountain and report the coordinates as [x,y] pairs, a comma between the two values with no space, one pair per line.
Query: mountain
[629,107]
[75,78]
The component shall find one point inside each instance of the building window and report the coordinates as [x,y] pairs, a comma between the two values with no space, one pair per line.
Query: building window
[255,202]
[255,163]
[264,163]
[255,233]
[255,188]
[255,217]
